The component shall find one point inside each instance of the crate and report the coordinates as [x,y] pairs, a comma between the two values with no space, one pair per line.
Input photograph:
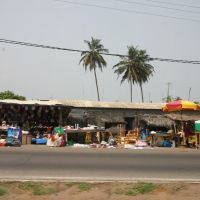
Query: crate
[26,139]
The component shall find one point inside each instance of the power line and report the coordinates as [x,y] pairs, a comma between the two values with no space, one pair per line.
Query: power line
[128,11]
[156,6]
[81,51]
[175,4]
[37,45]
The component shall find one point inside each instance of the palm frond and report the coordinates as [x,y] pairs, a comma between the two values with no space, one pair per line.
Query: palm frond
[135,67]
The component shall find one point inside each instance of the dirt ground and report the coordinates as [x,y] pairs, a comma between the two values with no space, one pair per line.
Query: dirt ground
[98,191]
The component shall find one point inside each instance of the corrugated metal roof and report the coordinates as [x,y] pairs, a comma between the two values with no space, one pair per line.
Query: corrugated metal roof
[31,102]
[86,104]
[122,105]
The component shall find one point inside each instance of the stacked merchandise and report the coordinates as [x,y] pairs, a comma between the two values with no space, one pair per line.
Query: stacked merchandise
[2,142]
[3,134]
[57,138]
[14,137]
[40,134]
[9,135]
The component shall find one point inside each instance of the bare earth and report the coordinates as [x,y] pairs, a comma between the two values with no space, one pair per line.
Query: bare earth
[99,191]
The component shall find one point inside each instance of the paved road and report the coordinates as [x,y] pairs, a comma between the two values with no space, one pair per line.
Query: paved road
[41,162]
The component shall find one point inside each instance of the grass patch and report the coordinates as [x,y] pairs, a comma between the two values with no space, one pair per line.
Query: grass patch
[175,188]
[84,186]
[69,185]
[178,188]
[119,191]
[3,191]
[37,188]
[140,188]
[136,189]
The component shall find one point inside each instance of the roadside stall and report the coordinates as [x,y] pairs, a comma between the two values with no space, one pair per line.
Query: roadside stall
[185,123]
[157,130]
[91,135]
[36,119]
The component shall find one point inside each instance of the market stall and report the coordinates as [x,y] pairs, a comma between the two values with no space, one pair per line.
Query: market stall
[36,119]
[184,113]
[86,135]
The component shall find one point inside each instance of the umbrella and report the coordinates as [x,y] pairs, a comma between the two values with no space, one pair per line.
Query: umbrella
[180,105]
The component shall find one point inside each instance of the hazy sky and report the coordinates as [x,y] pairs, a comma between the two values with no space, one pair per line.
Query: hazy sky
[43,73]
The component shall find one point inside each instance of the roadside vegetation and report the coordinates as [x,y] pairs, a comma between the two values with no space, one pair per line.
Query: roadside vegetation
[136,189]
[10,95]
[3,191]
[37,188]
[85,186]
[87,190]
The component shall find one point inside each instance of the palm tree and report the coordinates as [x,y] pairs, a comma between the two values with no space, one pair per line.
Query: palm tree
[134,68]
[92,58]
[145,69]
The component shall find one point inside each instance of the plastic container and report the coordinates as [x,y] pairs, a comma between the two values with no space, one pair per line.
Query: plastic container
[197,125]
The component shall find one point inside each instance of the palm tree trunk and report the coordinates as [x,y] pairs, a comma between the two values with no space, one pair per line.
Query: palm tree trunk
[131,91]
[141,89]
[95,75]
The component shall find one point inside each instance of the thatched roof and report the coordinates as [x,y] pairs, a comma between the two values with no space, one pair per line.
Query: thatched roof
[157,120]
[184,117]
[114,119]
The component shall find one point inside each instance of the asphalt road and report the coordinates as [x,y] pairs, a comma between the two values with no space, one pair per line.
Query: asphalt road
[44,163]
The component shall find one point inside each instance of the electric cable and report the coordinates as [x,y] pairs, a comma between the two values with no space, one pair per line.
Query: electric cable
[82,51]
[128,11]
[156,6]
[174,4]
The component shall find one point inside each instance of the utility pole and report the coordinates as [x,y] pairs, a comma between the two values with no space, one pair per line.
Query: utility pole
[150,97]
[168,97]
[189,93]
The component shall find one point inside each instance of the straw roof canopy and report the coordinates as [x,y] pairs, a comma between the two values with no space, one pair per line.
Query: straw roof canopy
[184,117]
[157,120]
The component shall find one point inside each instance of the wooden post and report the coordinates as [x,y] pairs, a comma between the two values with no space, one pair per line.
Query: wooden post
[60,116]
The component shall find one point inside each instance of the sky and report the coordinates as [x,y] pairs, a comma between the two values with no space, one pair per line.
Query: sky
[164,28]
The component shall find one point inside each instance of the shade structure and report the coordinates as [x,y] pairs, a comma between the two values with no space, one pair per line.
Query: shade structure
[180,105]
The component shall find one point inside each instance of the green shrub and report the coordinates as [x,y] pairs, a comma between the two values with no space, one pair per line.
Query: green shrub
[3,191]
[84,186]
[138,188]
[36,188]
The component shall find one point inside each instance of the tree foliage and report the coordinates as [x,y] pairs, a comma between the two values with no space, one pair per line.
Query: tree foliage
[134,68]
[10,95]
[92,59]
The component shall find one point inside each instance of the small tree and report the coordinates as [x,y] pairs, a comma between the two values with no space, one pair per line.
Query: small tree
[10,95]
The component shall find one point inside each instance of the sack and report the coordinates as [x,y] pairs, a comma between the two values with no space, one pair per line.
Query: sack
[164,143]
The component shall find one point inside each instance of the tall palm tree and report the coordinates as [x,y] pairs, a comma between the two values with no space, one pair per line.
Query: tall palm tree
[134,68]
[92,59]
[146,70]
